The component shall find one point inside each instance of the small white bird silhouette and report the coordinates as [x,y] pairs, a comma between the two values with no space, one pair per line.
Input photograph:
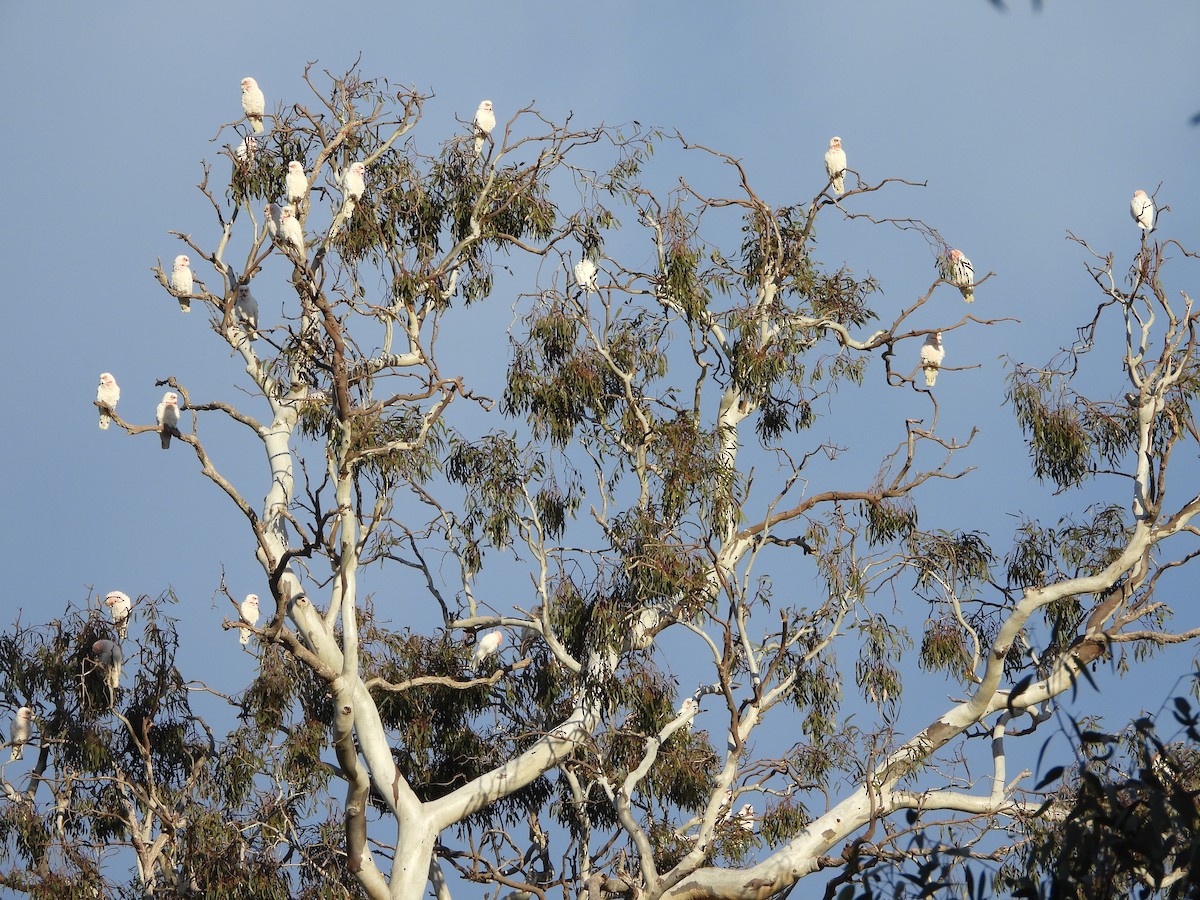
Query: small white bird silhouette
[1141,208]
[245,311]
[957,270]
[932,354]
[108,392]
[487,646]
[181,282]
[835,164]
[167,416]
[585,274]
[20,731]
[484,122]
[119,605]
[253,103]
[296,183]
[249,613]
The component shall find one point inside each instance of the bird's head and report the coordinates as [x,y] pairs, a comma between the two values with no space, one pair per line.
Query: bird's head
[1138,193]
[181,261]
[106,379]
[115,597]
[252,600]
[24,713]
[358,168]
[486,105]
[249,84]
[170,398]
[295,167]
[835,143]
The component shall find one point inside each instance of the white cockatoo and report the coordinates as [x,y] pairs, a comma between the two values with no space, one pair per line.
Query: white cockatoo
[253,103]
[109,656]
[689,708]
[957,270]
[181,282]
[1141,208]
[353,181]
[932,354]
[643,627]
[290,230]
[246,149]
[271,217]
[20,730]
[108,392]
[487,646]
[296,183]
[167,417]
[249,613]
[585,274]
[245,311]
[835,164]
[745,818]
[119,605]
[484,122]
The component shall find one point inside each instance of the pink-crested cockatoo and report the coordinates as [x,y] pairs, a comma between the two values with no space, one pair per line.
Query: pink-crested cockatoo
[1141,208]
[745,818]
[585,274]
[119,605]
[290,230]
[835,164]
[245,311]
[108,392]
[109,656]
[253,103]
[246,149]
[957,270]
[167,417]
[487,646]
[354,181]
[249,612]
[181,282]
[271,216]
[484,122]
[689,708]
[20,731]
[296,183]
[932,354]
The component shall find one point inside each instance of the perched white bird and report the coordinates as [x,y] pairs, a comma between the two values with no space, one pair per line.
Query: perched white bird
[271,217]
[689,708]
[296,183]
[246,149]
[835,164]
[645,625]
[290,230]
[585,274]
[745,818]
[353,181]
[1141,208]
[109,656]
[181,282]
[108,392]
[957,270]
[484,122]
[253,103]
[20,731]
[932,354]
[245,310]
[119,605]
[249,613]
[487,646]
[167,417]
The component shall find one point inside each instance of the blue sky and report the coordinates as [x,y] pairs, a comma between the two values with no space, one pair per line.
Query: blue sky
[1023,125]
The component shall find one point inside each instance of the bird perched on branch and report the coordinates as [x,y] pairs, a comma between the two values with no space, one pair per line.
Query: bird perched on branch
[585,274]
[957,270]
[689,708]
[835,164]
[246,149]
[20,731]
[1141,208]
[167,416]
[290,230]
[271,218]
[487,646]
[253,103]
[249,613]
[296,183]
[108,392]
[484,122]
[181,282]
[119,605]
[109,656]
[932,354]
[245,311]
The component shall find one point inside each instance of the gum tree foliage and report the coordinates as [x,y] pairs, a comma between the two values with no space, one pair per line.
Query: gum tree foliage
[645,494]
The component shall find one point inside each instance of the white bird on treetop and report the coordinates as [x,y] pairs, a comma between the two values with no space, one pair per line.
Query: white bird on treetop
[835,164]
[487,646]
[271,217]
[249,613]
[119,605]
[484,122]
[246,149]
[108,392]
[689,708]
[290,230]
[585,274]
[1141,208]
[181,282]
[354,181]
[296,183]
[932,354]
[245,311]
[253,103]
[957,270]
[167,416]
[20,731]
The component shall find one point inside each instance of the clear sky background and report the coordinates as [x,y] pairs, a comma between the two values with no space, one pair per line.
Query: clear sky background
[1024,125]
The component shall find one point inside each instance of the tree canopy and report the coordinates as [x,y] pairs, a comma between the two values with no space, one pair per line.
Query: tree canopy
[709,608]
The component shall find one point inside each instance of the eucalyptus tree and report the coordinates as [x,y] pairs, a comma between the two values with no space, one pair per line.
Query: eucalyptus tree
[642,488]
